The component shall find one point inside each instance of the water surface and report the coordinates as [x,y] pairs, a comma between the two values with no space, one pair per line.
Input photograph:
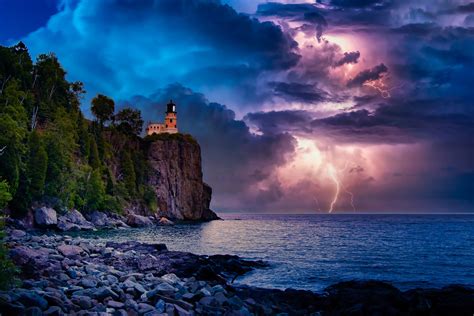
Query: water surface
[314,251]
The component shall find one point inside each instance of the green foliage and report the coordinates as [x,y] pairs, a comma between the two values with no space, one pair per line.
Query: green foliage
[94,195]
[83,136]
[129,121]
[5,195]
[50,152]
[7,268]
[37,165]
[167,136]
[94,160]
[149,197]
[103,108]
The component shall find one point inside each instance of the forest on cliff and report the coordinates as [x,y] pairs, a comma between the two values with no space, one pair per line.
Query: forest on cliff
[51,154]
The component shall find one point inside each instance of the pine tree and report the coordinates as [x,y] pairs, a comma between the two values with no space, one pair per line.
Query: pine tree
[128,173]
[95,191]
[37,166]
[94,160]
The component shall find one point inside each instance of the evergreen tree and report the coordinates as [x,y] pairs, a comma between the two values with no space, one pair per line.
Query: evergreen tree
[95,191]
[37,166]
[83,138]
[94,160]
[128,172]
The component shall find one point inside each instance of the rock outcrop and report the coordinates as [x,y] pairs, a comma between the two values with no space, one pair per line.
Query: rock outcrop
[176,177]
[45,217]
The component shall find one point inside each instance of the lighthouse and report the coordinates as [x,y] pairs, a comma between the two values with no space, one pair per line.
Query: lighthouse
[169,126]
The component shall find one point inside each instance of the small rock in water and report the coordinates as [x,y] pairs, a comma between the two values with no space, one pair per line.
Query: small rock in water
[165,222]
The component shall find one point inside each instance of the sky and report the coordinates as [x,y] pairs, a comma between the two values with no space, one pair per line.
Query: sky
[299,106]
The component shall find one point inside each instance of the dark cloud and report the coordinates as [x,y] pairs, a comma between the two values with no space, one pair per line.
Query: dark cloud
[466,8]
[358,3]
[367,75]
[294,91]
[349,58]
[308,13]
[235,160]
[274,122]
[139,45]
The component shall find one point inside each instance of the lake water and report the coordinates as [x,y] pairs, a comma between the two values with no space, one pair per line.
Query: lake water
[314,251]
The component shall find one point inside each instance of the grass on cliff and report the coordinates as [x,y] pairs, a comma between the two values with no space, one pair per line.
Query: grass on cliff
[167,136]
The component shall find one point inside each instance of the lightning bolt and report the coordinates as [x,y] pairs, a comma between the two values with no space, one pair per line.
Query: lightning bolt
[317,204]
[351,195]
[381,86]
[333,175]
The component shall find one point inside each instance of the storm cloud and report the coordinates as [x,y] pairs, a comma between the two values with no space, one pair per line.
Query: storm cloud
[277,94]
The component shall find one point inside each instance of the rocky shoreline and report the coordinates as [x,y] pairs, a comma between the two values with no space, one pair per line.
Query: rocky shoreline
[62,275]
[47,218]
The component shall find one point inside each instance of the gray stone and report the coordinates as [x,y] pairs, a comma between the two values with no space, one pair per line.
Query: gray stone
[207,301]
[73,220]
[138,221]
[16,233]
[45,217]
[70,251]
[98,218]
[53,311]
[165,222]
[144,308]
[115,304]
[112,279]
[83,302]
[204,292]
[103,292]
[170,278]
[33,311]
[220,298]
[29,298]
[87,283]
[160,306]
[162,288]
[181,311]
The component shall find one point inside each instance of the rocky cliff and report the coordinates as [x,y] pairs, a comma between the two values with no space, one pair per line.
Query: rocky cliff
[176,176]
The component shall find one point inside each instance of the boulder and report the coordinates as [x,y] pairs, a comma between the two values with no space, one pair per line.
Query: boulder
[73,220]
[70,250]
[99,219]
[166,222]
[138,221]
[45,217]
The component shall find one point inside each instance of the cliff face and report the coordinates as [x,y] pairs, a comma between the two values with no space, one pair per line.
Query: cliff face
[176,177]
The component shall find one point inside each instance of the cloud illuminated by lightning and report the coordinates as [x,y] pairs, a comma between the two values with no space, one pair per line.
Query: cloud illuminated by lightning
[382,86]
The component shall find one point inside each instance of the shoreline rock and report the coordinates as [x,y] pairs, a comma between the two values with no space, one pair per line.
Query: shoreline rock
[65,275]
[47,219]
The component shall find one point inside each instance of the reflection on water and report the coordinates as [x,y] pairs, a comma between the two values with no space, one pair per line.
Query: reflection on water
[314,251]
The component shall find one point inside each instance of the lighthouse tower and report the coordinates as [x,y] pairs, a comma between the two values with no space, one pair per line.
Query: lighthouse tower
[171,119]
[169,126]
